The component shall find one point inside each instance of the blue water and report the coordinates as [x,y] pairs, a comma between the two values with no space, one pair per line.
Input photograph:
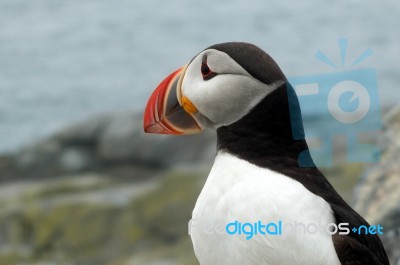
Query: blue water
[63,61]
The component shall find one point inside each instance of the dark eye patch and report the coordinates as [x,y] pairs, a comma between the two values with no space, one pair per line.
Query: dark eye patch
[206,72]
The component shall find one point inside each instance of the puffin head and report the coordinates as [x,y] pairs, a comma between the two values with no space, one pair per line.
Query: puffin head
[218,87]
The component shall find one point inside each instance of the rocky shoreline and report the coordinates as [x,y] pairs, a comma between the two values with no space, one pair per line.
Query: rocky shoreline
[103,192]
[112,143]
[377,195]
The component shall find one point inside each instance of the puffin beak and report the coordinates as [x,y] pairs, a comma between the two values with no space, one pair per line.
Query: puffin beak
[167,112]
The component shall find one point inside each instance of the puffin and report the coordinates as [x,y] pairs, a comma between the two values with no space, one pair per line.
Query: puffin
[239,90]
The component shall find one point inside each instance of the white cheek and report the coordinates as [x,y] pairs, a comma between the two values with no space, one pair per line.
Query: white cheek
[226,98]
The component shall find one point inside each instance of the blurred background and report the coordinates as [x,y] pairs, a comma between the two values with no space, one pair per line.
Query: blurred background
[80,183]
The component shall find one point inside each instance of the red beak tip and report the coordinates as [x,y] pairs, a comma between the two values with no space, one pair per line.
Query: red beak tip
[149,128]
[163,115]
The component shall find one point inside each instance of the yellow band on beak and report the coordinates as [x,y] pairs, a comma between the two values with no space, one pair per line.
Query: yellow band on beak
[188,105]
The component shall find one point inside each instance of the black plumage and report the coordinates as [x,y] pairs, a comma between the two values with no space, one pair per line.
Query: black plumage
[264,137]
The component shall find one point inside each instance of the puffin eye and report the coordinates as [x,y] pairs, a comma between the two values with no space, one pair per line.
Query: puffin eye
[206,71]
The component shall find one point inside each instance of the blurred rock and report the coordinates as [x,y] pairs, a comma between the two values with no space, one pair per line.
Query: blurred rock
[107,143]
[124,139]
[86,196]
[7,166]
[102,192]
[93,219]
[377,195]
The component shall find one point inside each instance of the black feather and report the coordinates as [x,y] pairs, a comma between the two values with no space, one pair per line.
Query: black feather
[264,137]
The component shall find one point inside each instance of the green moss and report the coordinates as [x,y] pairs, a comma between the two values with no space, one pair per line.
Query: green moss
[79,229]
[68,186]
[10,258]
[165,212]
[67,232]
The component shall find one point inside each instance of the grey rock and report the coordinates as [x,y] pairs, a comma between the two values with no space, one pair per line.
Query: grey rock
[75,159]
[109,142]
[124,139]
[377,195]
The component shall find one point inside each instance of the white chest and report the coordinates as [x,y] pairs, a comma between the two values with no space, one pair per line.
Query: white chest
[239,191]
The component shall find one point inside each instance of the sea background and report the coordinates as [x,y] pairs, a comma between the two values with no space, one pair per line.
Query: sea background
[64,61]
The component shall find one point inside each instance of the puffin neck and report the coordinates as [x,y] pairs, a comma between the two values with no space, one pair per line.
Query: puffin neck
[264,136]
